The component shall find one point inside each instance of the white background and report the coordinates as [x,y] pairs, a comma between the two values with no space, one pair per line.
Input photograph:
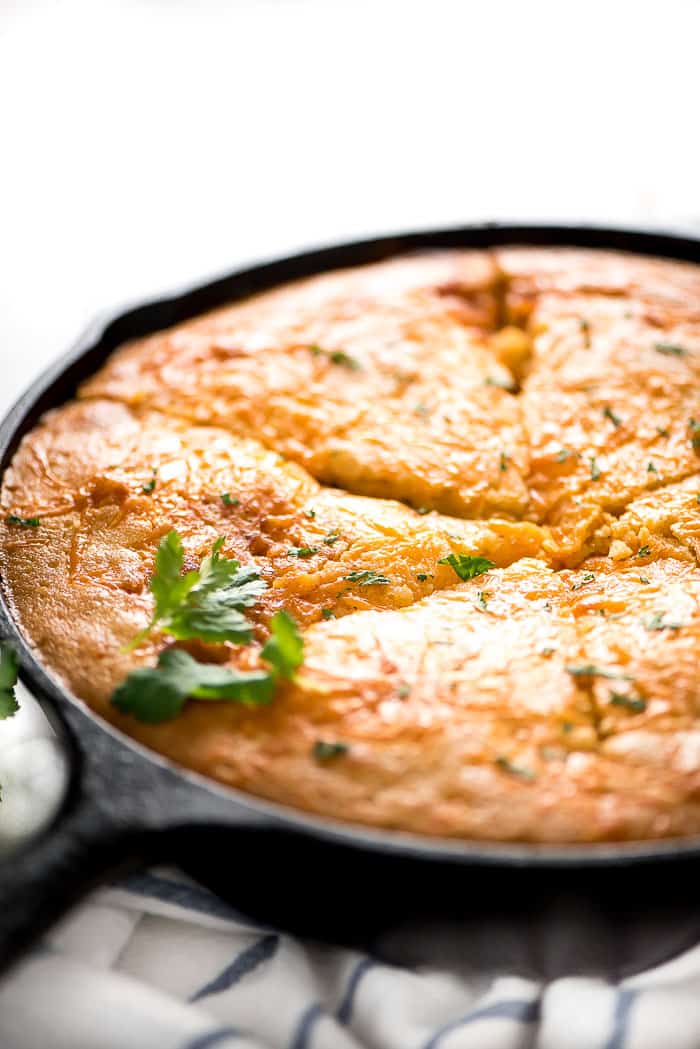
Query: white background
[145,142]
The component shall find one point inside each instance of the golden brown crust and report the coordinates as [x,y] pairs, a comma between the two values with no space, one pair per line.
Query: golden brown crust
[555,698]
[85,572]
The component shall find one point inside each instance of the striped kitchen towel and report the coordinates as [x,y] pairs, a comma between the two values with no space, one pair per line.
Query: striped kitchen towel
[157,962]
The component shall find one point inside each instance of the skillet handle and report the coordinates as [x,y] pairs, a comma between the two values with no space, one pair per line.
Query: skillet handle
[112,820]
[50,874]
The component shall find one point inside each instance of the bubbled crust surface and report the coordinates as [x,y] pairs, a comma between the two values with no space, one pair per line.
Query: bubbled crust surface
[554,698]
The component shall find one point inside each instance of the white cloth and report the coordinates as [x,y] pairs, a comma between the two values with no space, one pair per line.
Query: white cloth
[157,962]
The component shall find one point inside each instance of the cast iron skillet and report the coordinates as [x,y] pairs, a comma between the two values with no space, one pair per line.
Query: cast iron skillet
[126,806]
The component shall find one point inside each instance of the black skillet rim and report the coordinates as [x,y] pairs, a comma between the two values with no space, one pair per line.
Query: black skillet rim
[55,386]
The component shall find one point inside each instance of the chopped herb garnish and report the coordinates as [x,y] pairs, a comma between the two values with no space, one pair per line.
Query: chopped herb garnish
[368,578]
[421,409]
[154,694]
[344,359]
[336,357]
[229,500]
[662,431]
[302,551]
[327,613]
[403,691]
[643,579]
[481,599]
[421,576]
[595,469]
[422,510]
[9,665]
[587,577]
[589,670]
[502,384]
[651,469]
[24,522]
[656,622]
[567,726]
[322,750]
[562,455]
[206,603]
[310,514]
[694,427]
[644,551]
[669,349]
[585,327]
[284,649]
[608,413]
[634,703]
[514,770]
[150,485]
[503,462]
[467,567]
[546,652]
[331,538]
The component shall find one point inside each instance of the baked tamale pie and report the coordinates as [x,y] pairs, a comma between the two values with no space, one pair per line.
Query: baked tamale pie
[414,545]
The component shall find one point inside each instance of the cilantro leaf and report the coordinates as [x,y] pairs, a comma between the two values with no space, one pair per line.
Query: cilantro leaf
[506,765]
[284,650]
[608,413]
[207,603]
[694,427]
[24,522]
[657,622]
[587,577]
[589,670]
[9,665]
[669,349]
[323,750]
[154,694]
[634,703]
[467,567]
[368,578]
[336,357]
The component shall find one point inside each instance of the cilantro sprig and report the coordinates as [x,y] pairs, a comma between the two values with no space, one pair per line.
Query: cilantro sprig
[205,603]
[154,694]
[24,522]
[467,567]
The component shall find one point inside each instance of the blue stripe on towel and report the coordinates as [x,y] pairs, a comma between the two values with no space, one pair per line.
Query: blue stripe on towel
[514,1009]
[212,1038]
[305,1027]
[623,1008]
[191,897]
[259,952]
[344,1012]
